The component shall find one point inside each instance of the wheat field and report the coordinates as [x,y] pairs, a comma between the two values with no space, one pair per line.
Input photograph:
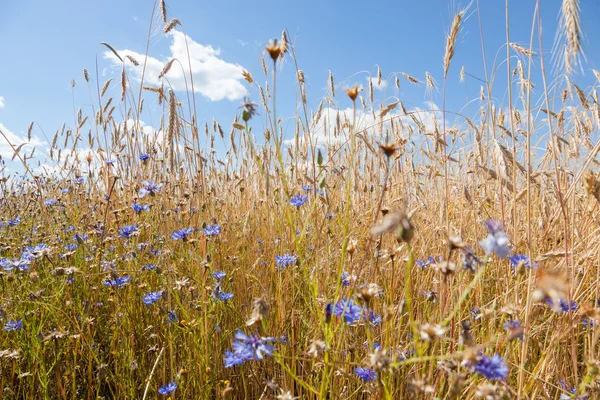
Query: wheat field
[370,252]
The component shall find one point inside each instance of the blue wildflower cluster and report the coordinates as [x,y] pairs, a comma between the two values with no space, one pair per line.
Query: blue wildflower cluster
[285,261]
[248,348]
[353,313]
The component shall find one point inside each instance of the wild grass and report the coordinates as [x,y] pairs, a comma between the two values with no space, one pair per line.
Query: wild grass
[383,252]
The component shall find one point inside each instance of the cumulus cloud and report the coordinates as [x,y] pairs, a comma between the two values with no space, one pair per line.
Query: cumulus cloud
[378,85]
[1,101]
[214,77]
[367,123]
[6,150]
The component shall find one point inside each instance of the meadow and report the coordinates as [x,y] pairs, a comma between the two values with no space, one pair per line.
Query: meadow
[376,252]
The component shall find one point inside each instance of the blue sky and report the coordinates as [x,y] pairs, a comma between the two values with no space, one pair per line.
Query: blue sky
[46,44]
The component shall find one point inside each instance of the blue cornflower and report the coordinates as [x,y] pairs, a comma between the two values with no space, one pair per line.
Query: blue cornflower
[78,237]
[424,264]
[11,326]
[149,187]
[218,275]
[345,278]
[21,264]
[349,310]
[252,347]
[298,200]
[79,180]
[167,388]
[247,348]
[496,240]
[110,162]
[493,368]
[13,222]
[375,319]
[284,261]
[366,374]
[307,188]
[233,359]
[138,208]
[117,282]
[144,156]
[219,294]
[212,230]
[149,267]
[128,231]
[588,322]
[152,297]
[562,305]
[50,202]
[520,260]
[172,317]
[182,234]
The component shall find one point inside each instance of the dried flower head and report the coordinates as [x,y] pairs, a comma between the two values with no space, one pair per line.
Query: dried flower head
[260,310]
[353,92]
[430,332]
[389,149]
[276,49]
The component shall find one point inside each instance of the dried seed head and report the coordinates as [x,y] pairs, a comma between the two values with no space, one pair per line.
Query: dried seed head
[260,310]
[353,92]
[352,246]
[276,49]
[389,149]
[430,332]
[379,360]
[367,292]
[316,348]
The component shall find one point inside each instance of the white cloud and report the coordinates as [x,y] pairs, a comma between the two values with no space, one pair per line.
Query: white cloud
[367,123]
[6,150]
[1,101]
[376,84]
[213,77]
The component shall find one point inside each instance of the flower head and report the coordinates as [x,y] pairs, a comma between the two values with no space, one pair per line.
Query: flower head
[167,388]
[496,241]
[298,200]
[350,311]
[11,326]
[247,348]
[144,157]
[249,109]
[138,208]
[366,374]
[493,368]
[149,187]
[117,282]
[520,260]
[284,261]
[152,297]
[128,231]
[182,234]
[212,230]
[219,294]
[218,275]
